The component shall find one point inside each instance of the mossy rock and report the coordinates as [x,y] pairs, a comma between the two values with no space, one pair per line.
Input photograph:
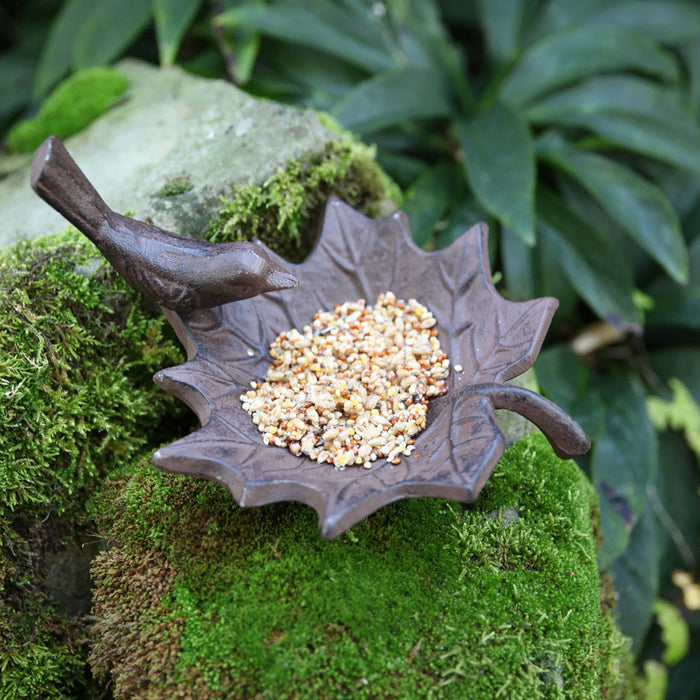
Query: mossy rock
[79,348]
[175,145]
[425,598]
[285,210]
[72,106]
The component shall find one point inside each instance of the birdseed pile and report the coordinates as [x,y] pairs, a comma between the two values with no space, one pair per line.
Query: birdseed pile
[353,386]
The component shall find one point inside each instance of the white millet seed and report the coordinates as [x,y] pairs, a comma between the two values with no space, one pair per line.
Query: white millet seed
[353,386]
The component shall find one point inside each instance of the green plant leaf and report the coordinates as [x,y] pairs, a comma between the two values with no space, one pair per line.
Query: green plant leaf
[427,199]
[57,53]
[421,32]
[636,576]
[595,267]
[393,97]
[679,361]
[674,631]
[172,18]
[519,267]
[678,305]
[691,54]
[499,162]
[639,207]
[560,14]
[613,93]
[464,211]
[501,21]
[667,21]
[680,309]
[402,168]
[583,204]
[107,30]
[579,52]
[554,281]
[624,457]
[307,77]
[681,413]
[323,26]
[16,74]
[564,378]
[413,41]
[675,502]
[670,142]
[239,49]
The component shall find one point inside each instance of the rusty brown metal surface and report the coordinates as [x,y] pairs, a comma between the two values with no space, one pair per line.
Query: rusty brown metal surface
[492,339]
[228,302]
[179,272]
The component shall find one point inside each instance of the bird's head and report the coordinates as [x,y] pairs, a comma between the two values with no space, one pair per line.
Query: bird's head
[258,273]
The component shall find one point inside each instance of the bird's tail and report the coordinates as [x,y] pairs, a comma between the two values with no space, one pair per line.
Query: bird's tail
[57,179]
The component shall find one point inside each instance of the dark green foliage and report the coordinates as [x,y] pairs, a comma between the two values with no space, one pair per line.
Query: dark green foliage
[424,599]
[72,106]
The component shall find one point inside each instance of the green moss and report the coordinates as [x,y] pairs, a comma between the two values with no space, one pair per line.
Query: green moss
[74,104]
[283,211]
[78,349]
[176,185]
[423,599]
[37,663]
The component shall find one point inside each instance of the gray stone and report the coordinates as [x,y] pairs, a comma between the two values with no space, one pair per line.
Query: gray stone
[67,578]
[513,425]
[171,124]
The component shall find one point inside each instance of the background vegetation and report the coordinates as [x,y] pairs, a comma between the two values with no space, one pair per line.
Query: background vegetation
[572,127]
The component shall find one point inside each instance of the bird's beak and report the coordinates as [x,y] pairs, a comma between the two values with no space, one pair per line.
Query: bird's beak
[280,278]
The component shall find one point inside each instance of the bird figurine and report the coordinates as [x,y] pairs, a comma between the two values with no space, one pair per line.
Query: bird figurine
[180,272]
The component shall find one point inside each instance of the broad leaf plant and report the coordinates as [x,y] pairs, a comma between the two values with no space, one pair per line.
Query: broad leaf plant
[571,128]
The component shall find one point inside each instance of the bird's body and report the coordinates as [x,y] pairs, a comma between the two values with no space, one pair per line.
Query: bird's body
[180,272]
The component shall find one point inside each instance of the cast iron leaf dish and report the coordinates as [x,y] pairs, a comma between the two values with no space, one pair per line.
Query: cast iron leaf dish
[492,339]
[228,301]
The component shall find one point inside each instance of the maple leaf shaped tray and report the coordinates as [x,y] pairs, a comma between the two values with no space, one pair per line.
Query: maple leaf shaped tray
[355,257]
